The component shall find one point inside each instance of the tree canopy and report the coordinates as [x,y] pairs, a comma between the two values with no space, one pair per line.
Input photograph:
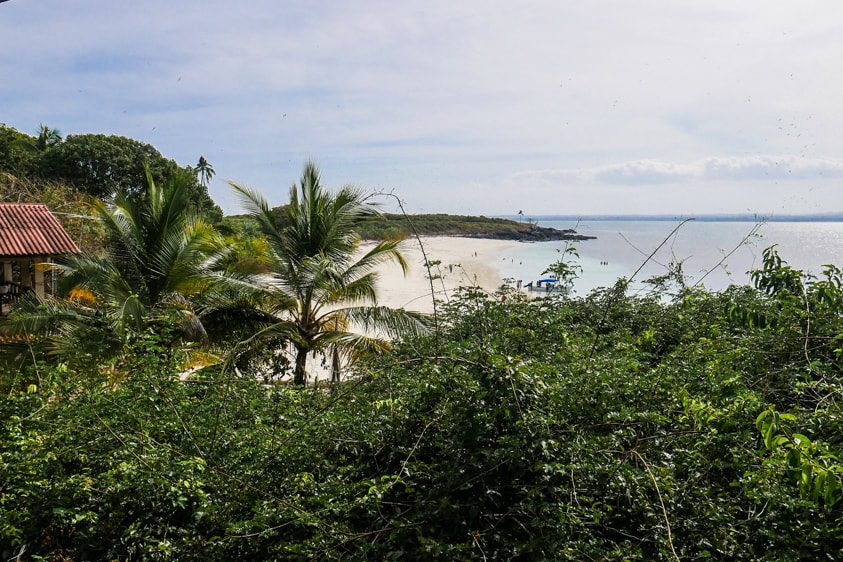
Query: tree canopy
[99,165]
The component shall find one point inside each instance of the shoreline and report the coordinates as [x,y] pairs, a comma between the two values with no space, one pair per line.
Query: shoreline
[542,234]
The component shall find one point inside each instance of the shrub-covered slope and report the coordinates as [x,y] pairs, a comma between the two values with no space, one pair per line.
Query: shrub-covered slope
[604,428]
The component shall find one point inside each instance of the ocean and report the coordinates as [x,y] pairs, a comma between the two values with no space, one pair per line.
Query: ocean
[699,245]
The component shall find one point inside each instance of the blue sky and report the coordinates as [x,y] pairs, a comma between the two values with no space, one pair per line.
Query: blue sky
[546,106]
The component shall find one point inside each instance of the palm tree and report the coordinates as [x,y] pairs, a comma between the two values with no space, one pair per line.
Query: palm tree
[205,171]
[320,284]
[47,137]
[158,256]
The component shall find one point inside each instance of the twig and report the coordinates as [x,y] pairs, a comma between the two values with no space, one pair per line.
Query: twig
[19,554]
[626,284]
[426,260]
[661,501]
[639,250]
[34,361]
[807,326]
[477,544]
[735,249]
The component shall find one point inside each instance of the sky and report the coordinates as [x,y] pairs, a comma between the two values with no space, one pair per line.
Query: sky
[550,107]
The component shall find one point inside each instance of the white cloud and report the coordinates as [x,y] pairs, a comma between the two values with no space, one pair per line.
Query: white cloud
[712,169]
[432,96]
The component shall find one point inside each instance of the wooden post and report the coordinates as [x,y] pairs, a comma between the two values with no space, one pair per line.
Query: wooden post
[25,275]
[38,272]
[7,271]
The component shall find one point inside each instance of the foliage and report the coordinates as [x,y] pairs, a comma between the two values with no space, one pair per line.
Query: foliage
[157,256]
[565,270]
[609,427]
[249,250]
[318,287]
[18,152]
[103,165]
[98,165]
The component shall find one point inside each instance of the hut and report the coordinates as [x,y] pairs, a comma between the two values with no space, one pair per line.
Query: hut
[29,236]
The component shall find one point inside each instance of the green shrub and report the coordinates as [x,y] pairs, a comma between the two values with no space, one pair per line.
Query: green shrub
[604,428]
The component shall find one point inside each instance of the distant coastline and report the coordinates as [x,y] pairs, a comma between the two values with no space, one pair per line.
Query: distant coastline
[391,226]
[745,217]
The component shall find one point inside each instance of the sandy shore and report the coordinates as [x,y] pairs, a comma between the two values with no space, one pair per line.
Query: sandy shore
[464,261]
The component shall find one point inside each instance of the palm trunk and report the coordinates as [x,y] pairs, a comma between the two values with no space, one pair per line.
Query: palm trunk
[300,375]
[335,366]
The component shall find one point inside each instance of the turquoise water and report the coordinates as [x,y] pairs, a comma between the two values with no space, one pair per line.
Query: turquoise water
[698,245]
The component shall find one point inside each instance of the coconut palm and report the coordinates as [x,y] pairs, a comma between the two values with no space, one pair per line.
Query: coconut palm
[47,137]
[157,257]
[320,285]
[205,171]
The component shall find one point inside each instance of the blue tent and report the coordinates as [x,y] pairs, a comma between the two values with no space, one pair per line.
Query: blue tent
[548,280]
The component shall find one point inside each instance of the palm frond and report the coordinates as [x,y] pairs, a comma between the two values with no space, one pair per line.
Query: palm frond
[41,316]
[258,207]
[174,211]
[394,322]
[382,252]
[243,300]
[175,307]
[129,314]
[351,342]
[100,276]
[281,331]
[182,260]
[361,290]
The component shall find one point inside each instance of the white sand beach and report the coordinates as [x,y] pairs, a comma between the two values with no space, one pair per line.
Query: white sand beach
[464,261]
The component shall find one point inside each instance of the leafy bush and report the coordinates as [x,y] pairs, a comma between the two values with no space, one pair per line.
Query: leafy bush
[609,427]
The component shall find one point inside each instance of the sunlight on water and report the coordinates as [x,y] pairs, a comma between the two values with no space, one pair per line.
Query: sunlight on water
[699,246]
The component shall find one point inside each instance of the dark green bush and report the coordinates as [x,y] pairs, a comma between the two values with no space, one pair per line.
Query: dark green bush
[607,427]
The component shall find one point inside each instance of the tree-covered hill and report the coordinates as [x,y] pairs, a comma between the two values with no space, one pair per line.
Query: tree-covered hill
[398,226]
[391,226]
[94,164]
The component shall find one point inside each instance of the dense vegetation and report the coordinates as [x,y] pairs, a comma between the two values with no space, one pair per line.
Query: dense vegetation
[319,284]
[96,165]
[677,425]
[146,410]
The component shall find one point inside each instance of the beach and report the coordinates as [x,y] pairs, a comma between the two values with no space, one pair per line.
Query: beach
[463,261]
[618,251]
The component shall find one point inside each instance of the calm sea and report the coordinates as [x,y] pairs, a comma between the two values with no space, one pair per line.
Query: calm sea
[700,246]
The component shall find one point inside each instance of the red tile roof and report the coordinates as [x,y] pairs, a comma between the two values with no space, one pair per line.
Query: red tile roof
[30,229]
